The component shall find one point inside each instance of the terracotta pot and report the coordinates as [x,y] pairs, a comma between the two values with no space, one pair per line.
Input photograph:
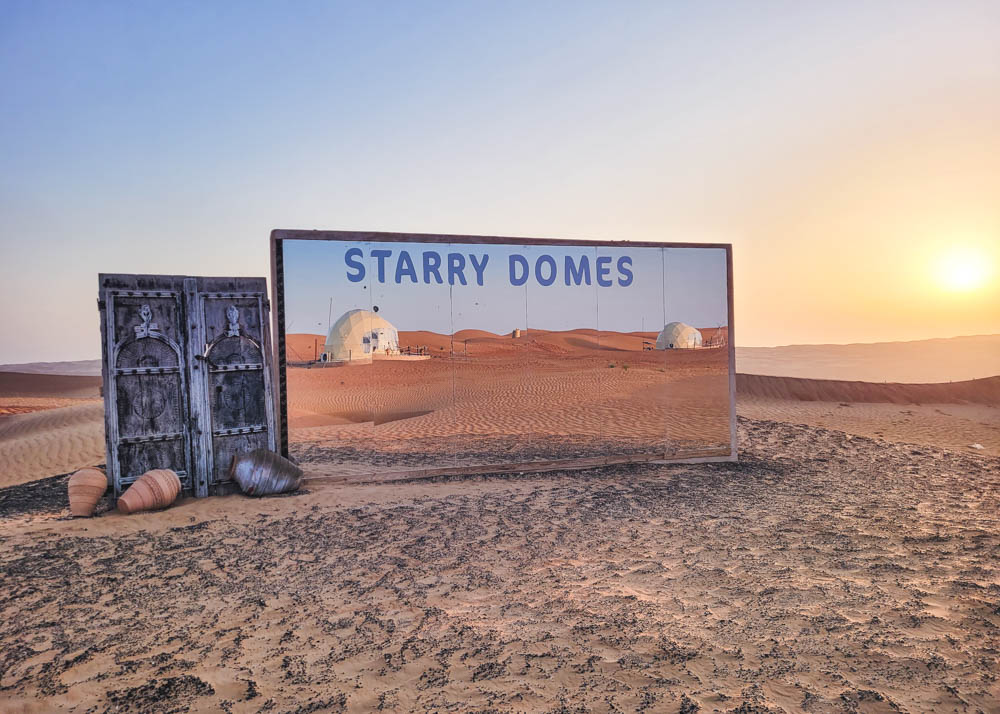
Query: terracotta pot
[86,487]
[154,489]
[264,472]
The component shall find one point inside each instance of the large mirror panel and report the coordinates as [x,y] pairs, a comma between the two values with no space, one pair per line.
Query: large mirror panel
[412,356]
[562,349]
[412,346]
[635,381]
[695,342]
[493,402]
[329,324]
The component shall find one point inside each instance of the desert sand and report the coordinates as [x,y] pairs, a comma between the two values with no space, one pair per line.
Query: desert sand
[823,573]
[49,424]
[495,399]
[847,563]
[951,359]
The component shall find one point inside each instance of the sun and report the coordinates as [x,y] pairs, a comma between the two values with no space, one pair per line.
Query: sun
[962,270]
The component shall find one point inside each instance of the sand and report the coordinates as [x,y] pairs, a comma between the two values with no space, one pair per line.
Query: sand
[846,564]
[824,573]
[544,395]
[49,423]
[20,384]
[52,440]
[961,415]
[84,368]
[937,360]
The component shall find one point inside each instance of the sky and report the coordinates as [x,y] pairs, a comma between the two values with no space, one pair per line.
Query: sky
[849,151]
[499,288]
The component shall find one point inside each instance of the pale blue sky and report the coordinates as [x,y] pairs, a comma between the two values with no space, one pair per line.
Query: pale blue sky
[826,141]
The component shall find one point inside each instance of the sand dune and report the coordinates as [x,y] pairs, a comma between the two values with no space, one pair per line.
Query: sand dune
[301,347]
[567,341]
[79,368]
[970,428]
[980,391]
[544,390]
[922,361]
[49,442]
[830,570]
[16,384]
[534,397]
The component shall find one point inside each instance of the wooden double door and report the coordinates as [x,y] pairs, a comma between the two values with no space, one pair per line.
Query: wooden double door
[187,378]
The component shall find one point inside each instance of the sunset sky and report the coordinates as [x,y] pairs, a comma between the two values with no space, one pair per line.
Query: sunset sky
[849,151]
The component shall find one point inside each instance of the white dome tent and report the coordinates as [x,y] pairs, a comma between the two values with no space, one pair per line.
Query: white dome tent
[358,335]
[678,335]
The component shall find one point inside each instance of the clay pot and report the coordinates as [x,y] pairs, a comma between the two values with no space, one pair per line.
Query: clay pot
[154,489]
[262,472]
[86,487]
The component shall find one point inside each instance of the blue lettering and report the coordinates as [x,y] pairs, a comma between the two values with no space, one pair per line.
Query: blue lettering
[432,264]
[405,267]
[456,268]
[480,268]
[518,260]
[603,270]
[574,273]
[624,265]
[381,255]
[351,258]
[545,260]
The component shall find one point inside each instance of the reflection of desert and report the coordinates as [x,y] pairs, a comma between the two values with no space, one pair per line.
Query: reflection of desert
[483,397]
[847,563]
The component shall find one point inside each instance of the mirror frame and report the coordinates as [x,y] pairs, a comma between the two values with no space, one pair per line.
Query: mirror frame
[279,236]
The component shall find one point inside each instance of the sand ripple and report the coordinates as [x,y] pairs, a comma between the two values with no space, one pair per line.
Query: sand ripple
[52,441]
[823,573]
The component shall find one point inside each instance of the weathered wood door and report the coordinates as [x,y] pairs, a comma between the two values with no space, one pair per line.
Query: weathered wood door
[186,372]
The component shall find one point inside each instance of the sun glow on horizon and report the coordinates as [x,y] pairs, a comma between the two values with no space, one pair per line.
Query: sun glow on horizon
[963,269]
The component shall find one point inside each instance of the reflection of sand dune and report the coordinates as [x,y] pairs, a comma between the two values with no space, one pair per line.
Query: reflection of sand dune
[537,388]
[302,347]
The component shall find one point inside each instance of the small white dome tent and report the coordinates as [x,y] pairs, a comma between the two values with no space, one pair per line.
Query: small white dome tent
[359,334]
[677,335]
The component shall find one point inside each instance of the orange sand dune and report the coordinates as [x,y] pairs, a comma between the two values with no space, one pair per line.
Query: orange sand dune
[16,384]
[565,341]
[477,335]
[540,386]
[536,393]
[588,339]
[981,391]
[301,347]
[435,343]
[52,441]
[917,362]
[307,347]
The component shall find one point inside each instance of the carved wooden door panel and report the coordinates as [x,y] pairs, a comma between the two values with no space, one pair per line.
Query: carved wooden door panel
[186,376]
[145,380]
[235,379]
